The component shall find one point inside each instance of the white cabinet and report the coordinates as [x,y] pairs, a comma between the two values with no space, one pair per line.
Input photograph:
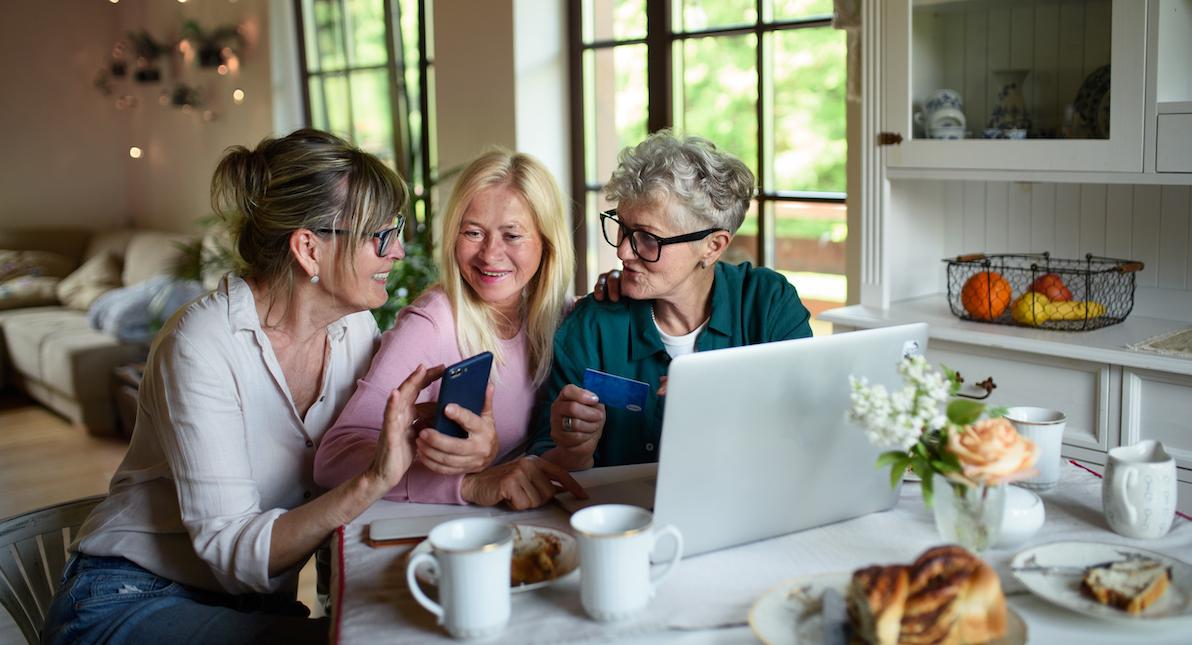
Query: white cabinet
[1046,56]
[1107,403]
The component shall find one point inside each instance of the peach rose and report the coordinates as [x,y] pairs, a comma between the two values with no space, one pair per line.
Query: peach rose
[992,452]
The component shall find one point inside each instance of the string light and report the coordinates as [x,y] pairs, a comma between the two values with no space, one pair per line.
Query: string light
[135,152]
[238,95]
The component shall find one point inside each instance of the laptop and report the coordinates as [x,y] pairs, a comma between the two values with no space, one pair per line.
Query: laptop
[756,441]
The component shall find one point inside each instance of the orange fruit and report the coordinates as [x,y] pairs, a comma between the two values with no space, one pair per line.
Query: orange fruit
[985,295]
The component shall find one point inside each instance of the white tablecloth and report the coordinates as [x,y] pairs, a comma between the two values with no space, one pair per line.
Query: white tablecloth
[707,598]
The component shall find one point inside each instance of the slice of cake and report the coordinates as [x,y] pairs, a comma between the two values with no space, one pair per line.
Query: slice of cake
[1131,585]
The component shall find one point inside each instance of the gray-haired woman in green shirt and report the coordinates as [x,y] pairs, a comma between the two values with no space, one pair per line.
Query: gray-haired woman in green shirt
[679,202]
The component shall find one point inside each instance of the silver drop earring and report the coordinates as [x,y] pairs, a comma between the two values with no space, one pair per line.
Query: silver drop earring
[314,279]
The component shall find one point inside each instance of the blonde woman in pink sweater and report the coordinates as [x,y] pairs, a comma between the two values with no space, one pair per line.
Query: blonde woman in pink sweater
[506,267]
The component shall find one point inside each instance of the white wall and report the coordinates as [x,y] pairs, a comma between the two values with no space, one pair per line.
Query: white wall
[474,79]
[170,186]
[65,155]
[66,160]
[1149,223]
[501,79]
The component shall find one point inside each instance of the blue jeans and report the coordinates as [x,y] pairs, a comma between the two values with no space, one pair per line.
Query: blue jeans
[112,600]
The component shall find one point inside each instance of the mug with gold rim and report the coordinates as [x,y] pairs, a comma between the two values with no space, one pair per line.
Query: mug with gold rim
[471,560]
[615,542]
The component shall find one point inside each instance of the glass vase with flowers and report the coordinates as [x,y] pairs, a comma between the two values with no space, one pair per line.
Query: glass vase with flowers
[951,442]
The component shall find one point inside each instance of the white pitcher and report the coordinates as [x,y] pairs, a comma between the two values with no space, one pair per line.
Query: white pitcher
[1138,492]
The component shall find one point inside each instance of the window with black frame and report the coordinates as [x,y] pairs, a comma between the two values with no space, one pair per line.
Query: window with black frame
[763,79]
[368,77]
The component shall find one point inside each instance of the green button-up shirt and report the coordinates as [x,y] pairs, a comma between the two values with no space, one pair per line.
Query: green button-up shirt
[750,305]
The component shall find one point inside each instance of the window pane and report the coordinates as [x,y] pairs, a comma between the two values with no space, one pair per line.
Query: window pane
[324,35]
[810,146]
[615,105]
[744,247]
[339,115]
[789,9]
[810,236]
[372,119]
[614,20]
[706,14]
[367,21]
[720,93]
[318,103]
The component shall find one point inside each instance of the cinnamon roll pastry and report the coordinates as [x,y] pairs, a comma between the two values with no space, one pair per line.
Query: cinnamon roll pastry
[876,598]
[948,596]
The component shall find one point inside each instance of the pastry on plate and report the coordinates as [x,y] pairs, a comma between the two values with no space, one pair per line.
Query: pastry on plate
[1131,585]
[947,596]
[534,558]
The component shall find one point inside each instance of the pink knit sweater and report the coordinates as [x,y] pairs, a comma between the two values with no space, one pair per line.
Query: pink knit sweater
[424,333]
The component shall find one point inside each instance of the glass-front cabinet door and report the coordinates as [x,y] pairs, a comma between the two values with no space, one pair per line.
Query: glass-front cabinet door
[1015,85]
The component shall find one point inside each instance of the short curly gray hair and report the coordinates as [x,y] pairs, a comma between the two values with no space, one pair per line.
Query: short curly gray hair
[713,186]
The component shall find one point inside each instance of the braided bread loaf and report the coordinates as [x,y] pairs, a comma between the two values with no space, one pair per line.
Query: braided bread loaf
[949,597]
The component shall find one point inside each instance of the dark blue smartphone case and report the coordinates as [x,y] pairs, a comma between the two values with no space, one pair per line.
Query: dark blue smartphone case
[464,384]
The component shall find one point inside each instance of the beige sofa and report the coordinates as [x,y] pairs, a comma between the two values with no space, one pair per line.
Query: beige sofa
[49,350]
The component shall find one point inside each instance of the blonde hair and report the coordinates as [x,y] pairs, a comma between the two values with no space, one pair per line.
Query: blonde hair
[547,292]
[308,179]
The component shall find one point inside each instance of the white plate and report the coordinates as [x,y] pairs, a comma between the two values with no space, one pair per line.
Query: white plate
[1064,589]
[790,613]
[566,562]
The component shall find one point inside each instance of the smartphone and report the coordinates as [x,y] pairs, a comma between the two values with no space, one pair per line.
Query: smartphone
[464,384]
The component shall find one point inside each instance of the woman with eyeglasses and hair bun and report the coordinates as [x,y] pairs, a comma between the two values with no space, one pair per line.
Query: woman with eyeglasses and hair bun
[215,509]
[506,267]
[679,202]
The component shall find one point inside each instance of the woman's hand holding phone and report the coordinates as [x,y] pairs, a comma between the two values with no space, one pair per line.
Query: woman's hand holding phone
[449,455]
[395,446]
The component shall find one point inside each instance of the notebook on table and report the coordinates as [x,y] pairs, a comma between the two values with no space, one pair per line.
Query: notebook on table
[756,441]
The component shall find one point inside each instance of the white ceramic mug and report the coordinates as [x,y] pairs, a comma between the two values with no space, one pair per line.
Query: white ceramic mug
[1046,428]
[471,559]
[1138,492]
[615,541]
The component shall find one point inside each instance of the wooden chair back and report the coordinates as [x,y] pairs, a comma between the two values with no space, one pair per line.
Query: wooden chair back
[33,552]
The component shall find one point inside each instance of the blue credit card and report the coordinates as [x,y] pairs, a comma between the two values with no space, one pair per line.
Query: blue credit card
[617,391]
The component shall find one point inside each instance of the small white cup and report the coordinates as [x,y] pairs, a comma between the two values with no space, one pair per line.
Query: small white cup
[1138,492]
[615,541]
[1046,428]
[471,559]
[1021,519]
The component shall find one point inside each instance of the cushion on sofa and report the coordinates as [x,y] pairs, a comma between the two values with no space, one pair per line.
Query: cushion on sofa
[16,264]
[28,292]
[152,253]
[111,240]
[97,276]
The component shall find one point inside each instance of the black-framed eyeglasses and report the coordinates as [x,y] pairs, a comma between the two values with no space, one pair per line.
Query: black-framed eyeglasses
[646,246]
[382,237]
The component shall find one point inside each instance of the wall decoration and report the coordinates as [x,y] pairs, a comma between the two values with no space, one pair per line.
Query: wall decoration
[181,69]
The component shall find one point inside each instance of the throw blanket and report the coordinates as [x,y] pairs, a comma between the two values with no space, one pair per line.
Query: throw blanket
[134,314]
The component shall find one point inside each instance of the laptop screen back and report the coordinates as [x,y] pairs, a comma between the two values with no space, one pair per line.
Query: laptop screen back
[756,441]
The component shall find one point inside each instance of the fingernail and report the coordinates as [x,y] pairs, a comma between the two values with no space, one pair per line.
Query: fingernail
[592,398]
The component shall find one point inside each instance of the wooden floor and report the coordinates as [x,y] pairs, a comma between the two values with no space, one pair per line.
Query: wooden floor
[45,460]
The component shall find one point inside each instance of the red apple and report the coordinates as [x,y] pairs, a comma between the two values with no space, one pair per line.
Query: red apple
[1052,286]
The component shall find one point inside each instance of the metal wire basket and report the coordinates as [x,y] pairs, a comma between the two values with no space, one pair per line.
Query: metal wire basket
[1037,290]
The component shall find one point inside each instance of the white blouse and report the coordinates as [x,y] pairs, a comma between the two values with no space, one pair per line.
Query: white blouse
[219,450]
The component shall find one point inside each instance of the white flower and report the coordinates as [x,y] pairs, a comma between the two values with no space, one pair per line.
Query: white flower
[898,419]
